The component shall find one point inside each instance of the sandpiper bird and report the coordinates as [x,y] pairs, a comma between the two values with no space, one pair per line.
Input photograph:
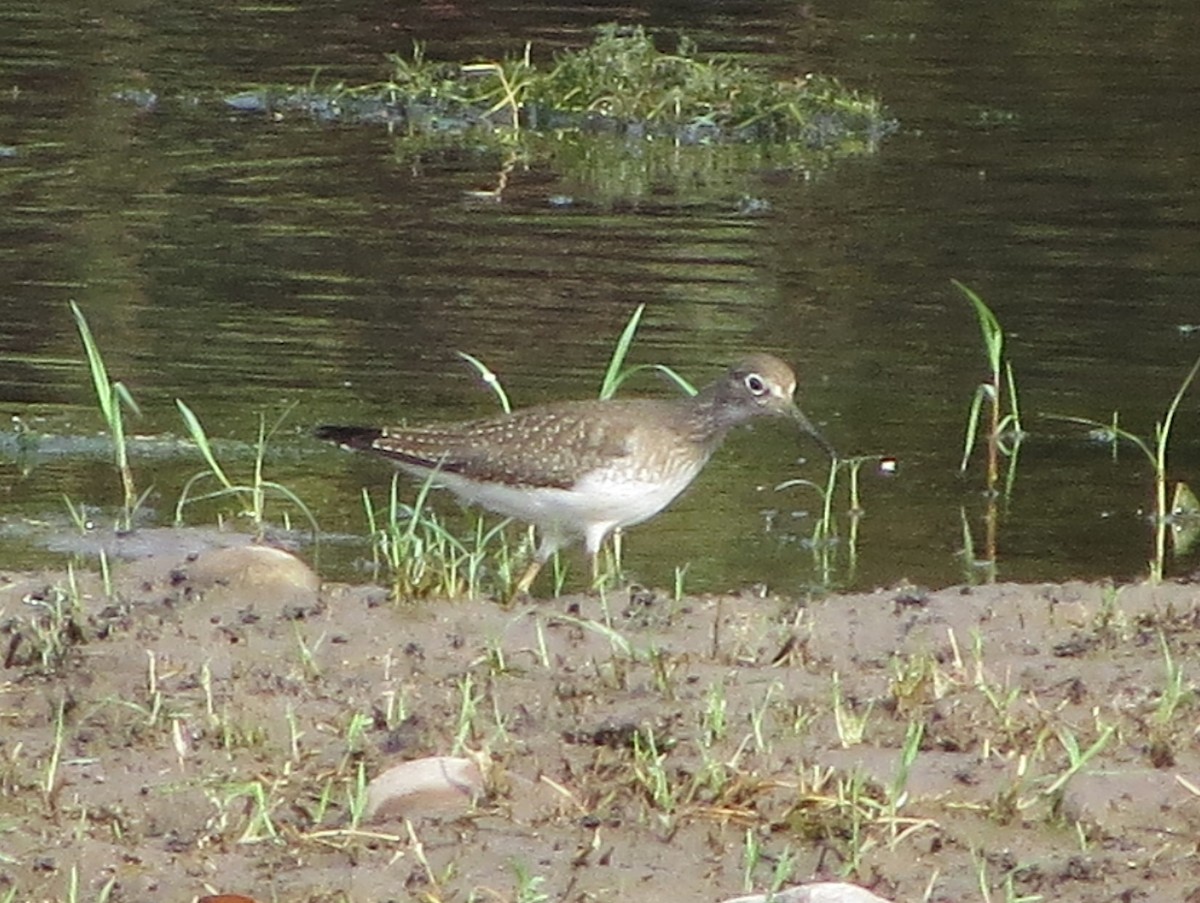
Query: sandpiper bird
[585,468]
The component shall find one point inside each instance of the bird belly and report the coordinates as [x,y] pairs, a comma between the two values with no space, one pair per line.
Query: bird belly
[622,500]
[599,500]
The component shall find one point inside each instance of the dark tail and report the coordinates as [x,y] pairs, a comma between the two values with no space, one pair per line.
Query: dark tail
[349,436]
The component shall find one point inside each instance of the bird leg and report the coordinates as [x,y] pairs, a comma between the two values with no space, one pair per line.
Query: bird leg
[605,569]
[549,542]
[522,586]
[594,557]
[602,578]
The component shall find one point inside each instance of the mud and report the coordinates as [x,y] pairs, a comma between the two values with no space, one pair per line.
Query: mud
[209,721]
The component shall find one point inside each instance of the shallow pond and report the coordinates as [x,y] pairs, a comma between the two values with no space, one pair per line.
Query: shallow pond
[247,263]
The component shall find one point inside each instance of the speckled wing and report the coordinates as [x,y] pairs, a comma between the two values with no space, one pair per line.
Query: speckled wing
[549,446]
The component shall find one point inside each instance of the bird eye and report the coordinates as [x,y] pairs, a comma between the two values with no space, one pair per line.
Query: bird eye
[755,384]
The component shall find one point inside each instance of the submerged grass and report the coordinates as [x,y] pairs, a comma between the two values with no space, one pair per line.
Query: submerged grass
[1155,452]
[835,558]
[113,399]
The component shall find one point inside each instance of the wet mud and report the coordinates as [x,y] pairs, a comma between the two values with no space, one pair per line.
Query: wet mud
[211,719]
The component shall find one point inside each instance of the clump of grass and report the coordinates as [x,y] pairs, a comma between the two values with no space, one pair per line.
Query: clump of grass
[251,496]
[620,81]
[49,630]
[423,557]
[623,76]
[650,773]
[529,885]
[112,398]
[1174,695]
[1002,433]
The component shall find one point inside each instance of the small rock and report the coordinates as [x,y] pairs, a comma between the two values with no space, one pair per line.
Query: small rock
[821,892]
[265,572]
[438,785]
[248,102]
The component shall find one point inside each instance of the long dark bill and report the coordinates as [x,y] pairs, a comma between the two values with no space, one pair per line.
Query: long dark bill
[807,426]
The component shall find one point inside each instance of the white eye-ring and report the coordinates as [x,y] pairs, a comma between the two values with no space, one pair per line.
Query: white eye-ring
[756,384]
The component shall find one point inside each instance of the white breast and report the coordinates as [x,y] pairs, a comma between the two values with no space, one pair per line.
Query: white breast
[595,506]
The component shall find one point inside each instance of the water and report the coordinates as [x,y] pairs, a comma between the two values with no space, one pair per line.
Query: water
[1046,158]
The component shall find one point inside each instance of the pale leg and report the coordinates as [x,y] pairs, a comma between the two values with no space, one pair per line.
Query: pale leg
[549,543]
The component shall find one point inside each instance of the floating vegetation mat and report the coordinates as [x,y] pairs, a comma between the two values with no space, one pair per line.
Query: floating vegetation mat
[621,85]
[619,117]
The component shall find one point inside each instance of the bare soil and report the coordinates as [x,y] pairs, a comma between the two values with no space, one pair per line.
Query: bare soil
[207,723]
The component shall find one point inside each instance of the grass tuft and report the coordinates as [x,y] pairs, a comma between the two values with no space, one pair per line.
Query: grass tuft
[623,80]
[1003,431]
[252,496]
[112,398]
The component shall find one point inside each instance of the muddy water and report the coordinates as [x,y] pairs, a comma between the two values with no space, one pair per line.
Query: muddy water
[1045,158]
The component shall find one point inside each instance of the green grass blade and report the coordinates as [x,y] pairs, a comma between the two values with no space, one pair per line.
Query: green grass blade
[121,395]
[116,428]
[288,494]
[1013,404]
[185,495]
[989,326]
[201,439]
[1165,430]
[668,372]
[683,384]
[489,379]
[1110,427]
[96,366]
[109,397]
[612,376]
[973,416]
[221,493]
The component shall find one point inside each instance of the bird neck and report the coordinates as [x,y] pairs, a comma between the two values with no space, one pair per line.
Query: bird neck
[709,417]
